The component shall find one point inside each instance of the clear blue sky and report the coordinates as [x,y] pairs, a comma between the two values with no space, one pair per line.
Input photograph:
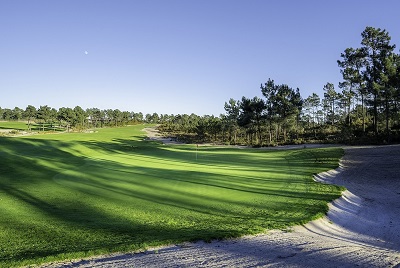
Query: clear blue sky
[175,56]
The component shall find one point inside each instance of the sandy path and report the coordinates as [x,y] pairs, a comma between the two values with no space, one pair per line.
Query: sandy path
[361,229]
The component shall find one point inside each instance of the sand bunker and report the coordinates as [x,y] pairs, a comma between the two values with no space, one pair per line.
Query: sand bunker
[153,134]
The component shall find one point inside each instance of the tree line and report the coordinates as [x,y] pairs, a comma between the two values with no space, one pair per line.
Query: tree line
[363,108]
[66,118]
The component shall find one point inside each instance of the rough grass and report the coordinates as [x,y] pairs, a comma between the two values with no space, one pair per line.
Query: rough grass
[68,196]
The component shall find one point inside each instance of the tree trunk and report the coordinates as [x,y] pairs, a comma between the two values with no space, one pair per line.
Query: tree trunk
[270,132]
[363,112]
[387,119]
[284,135]
[375,114]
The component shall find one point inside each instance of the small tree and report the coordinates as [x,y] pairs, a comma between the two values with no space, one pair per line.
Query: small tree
[43,115]
[251,116]
[331,97]
[232,111]
[80,116]
[30,114]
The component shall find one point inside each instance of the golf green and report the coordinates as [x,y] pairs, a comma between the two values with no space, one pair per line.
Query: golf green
[71,195]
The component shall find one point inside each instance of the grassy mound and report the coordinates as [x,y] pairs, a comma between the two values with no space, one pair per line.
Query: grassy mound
[74,195]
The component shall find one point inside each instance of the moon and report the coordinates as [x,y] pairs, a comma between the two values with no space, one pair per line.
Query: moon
[86,52]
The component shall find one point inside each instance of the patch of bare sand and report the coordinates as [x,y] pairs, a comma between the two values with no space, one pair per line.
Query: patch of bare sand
[154,134]
[361,229]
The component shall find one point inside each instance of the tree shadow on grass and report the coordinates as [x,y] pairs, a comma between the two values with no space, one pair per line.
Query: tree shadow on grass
[78,202]
[228,158]
[298,166]
[26,182]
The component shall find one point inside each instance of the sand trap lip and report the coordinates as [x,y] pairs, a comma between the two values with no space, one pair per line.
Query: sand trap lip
[361,229]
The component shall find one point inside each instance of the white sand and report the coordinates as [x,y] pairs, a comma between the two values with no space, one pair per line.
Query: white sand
[361,229]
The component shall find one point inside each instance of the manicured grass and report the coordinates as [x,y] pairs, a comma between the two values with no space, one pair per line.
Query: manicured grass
[17,125]
[23,126]
[71,195]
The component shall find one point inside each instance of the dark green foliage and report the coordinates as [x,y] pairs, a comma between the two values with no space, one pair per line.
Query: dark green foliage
[371,73]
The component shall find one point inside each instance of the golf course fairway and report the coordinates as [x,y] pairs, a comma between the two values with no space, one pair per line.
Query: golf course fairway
[72,195]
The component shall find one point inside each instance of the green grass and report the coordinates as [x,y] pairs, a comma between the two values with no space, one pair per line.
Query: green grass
[66,196]
[17,125]
[23,126]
